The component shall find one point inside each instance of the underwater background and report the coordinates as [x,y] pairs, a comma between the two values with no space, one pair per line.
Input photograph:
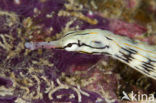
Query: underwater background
[57,76]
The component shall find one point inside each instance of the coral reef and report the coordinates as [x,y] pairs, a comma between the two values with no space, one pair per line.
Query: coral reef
[57,76]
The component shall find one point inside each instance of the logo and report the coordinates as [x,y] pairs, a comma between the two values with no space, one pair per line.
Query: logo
[125,97]
[137,97]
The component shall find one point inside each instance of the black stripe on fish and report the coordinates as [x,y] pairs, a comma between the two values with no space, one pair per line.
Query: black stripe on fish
[108,38]
[128,56]
[83,44]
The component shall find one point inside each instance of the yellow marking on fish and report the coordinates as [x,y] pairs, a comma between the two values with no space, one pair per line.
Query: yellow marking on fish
[84,52]
[117,43]
[139,48]
[137,53]
[145,56]
[93,33]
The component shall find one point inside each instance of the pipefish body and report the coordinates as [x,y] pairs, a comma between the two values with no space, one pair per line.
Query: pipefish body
[138,55]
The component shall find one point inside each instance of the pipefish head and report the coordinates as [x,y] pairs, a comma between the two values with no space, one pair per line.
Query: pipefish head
[88,41]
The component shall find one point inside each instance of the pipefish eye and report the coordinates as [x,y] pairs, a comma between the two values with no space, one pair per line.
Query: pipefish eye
[69,45]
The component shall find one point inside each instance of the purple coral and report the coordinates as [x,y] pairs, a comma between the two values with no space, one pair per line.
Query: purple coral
[34,76]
